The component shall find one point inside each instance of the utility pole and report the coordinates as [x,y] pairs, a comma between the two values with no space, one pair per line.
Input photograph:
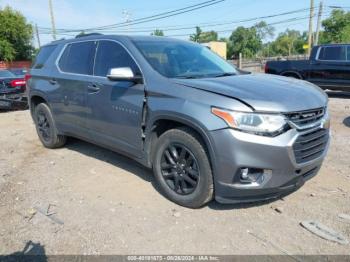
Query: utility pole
[310,26]
[320,10]
[127,17]
[37,35]
[52,21]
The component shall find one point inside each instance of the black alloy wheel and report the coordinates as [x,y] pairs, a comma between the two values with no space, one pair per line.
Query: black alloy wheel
[179,169]
[46,128]
[43,125]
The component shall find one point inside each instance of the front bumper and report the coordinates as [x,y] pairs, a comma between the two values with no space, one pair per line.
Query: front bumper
[235,150]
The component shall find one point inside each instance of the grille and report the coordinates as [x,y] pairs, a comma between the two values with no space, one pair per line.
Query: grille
[306,117]
[310,146]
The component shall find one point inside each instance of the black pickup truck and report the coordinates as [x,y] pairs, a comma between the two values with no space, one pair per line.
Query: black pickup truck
[328,67]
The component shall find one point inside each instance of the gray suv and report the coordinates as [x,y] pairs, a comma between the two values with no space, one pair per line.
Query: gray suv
[205,128]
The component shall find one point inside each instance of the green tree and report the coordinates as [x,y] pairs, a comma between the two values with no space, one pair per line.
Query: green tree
[289,43]
[264,30]
[196,36]
[7,53]
[158,32]
[16,35]
[337,27]
[203,37]
[244,40]
[206,37]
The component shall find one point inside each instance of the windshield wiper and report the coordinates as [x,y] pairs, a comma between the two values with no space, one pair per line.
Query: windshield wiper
[188,77]
[225,74]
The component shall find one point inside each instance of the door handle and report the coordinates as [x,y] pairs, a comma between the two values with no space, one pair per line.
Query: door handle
[53,81]
[93,88]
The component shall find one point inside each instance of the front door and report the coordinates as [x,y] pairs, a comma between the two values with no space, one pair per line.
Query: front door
[115,107]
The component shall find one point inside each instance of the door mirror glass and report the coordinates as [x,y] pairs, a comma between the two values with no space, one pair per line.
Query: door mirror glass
[123,74]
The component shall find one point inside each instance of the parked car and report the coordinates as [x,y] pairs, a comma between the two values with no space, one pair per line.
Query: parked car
[328,67]
[175,106]
[12,91]
[19,72]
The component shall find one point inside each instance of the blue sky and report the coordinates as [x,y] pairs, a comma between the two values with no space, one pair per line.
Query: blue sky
[73,14]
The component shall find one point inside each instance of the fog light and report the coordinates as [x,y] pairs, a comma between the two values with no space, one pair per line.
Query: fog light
[254,175]
[244,173]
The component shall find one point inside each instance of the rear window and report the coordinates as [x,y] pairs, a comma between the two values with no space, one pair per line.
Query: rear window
[43,55]
[5,73]
[333,53]
[78,58]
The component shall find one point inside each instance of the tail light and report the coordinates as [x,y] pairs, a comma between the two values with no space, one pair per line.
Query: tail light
[27,77]
[17,82]
[266,68]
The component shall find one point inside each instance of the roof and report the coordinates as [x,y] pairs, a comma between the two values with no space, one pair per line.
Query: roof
[116,37]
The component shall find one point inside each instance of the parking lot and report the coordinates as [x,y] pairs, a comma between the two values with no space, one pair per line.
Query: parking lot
[82,199]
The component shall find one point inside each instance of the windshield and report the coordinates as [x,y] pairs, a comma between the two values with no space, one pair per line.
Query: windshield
[5,73]
[177,59]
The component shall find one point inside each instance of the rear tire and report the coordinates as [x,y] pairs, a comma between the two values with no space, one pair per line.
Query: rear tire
[46,128]
[182,168]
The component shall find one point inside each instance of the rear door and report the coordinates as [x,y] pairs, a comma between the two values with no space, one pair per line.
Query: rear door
[75,66]
[115,107]
[333,64]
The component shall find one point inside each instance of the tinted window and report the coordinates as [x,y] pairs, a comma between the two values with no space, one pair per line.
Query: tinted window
[333,53]
[78,58]
[43,55]
[348,53]
[111,55]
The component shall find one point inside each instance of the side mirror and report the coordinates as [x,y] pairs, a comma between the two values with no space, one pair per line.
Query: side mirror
[123,74]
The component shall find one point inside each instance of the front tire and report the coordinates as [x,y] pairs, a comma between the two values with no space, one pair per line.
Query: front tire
[46,128]
[182,168]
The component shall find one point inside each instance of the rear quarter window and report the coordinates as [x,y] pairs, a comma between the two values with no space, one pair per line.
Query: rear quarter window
[43,56]
[333,53]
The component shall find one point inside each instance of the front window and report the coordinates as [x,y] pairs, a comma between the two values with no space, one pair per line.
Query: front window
[112,55]
[177,59]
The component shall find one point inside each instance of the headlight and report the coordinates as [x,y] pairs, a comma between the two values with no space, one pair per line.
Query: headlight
[259,124]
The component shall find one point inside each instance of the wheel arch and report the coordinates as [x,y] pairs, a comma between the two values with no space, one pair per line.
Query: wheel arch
[292,74]
[35,99]
[163,123]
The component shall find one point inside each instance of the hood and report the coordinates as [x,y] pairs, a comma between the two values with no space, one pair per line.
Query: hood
[263,92]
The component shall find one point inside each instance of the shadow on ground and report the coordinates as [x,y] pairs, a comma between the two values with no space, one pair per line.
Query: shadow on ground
[31,252]
[346,121]
[113,158]
[142,172]
[338,94]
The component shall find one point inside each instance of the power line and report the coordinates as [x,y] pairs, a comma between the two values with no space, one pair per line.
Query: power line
[176,28]
[293,19]
[153,17]
[269,24]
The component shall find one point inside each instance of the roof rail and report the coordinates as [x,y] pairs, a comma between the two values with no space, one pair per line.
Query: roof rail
[84,35]
[57,41]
